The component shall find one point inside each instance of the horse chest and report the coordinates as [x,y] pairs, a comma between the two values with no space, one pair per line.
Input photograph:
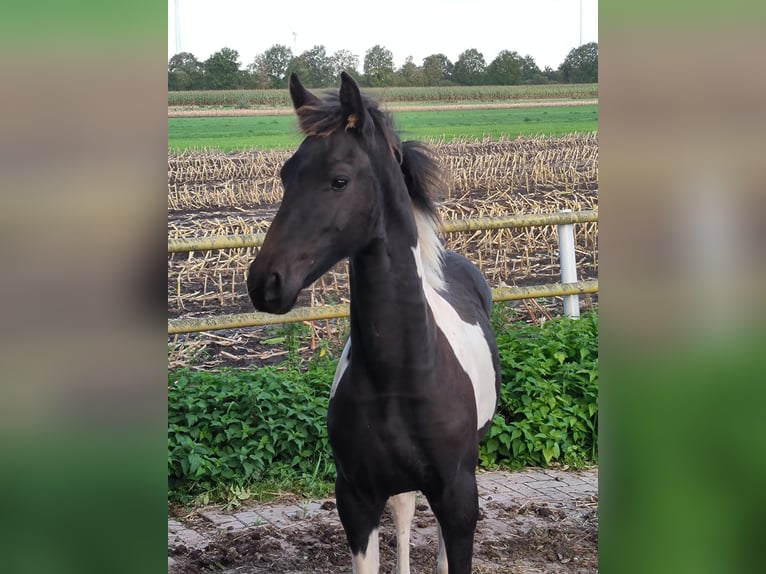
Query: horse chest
[389,446]
[410,419]
[463,373]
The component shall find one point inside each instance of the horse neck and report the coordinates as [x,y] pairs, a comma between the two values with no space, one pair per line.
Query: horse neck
[390,321]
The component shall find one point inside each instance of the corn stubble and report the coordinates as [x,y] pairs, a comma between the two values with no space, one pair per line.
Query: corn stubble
[212,193]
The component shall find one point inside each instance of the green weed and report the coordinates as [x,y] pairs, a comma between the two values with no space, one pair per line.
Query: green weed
[548,405]
[241,434]
[236,428]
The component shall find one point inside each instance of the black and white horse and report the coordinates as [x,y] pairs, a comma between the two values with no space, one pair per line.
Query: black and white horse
[417,382]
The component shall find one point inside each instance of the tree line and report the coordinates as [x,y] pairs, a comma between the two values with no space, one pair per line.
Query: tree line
[317,69]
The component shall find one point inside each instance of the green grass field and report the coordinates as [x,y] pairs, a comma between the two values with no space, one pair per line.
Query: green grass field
[267,132]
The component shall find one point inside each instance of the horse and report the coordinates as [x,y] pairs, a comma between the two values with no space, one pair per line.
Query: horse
[417,382]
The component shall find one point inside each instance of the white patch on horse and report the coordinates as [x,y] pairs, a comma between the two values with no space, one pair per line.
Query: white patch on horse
[368,562]
[403,509]
[441,557]
[341,368]
[432,251]
[468,344]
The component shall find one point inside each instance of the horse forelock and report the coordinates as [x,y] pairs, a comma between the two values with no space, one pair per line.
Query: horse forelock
[325,116]
[321,117]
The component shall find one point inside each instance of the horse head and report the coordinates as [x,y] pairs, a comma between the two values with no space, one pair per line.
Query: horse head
[330,207]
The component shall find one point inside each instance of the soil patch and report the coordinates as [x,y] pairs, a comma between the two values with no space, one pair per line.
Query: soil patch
[559,537]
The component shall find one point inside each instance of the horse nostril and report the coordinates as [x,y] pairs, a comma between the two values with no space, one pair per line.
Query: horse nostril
[273,287]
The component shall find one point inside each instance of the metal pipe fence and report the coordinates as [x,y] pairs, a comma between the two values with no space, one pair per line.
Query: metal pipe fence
[186,244]
[240,320]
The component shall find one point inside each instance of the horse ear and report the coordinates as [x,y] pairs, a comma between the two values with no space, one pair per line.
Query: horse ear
[351,103]
[300,95]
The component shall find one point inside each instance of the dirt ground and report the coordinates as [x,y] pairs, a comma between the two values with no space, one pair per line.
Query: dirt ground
[550,537]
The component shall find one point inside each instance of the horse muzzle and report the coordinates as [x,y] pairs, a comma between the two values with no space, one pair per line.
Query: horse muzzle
[268,290]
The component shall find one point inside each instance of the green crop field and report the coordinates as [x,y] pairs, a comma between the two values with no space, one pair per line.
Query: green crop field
[495,123]
[269,132]
[410,95]
[230,133]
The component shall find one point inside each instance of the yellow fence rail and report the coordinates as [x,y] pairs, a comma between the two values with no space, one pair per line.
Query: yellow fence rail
[241,320]
[183,245]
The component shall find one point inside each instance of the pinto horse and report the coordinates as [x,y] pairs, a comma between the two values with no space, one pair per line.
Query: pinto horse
[417,383]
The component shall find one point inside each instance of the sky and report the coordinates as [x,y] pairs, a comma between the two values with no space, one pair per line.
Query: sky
[545,29]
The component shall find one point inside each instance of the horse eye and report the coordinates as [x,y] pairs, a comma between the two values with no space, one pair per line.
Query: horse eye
[338,183]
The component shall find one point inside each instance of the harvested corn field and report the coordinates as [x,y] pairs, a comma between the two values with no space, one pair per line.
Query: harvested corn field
[238,193]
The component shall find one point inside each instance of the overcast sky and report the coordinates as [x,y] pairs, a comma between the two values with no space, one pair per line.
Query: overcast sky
[545,29]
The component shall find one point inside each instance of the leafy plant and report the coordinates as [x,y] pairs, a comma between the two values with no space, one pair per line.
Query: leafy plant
[238,432]
[290,336]
[548,405]
[234,428]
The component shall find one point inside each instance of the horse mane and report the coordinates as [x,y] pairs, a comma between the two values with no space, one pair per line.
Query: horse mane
[425,180]
[423,175]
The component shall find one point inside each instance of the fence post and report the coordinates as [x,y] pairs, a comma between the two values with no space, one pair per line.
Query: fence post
[568,265]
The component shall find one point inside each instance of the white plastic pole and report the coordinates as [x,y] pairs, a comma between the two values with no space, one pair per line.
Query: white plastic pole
[568,266]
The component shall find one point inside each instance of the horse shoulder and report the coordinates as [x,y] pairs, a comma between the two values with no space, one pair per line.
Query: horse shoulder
[462,313]
[462,275]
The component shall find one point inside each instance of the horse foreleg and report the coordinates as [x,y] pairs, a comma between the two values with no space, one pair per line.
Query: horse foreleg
[367,561]
[360,518]
[441,558]
[456,507]
[403,509]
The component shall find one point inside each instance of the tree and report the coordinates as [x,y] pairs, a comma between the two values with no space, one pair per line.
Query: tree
[249,81]
[530,71]
[551,75]
[581,65]
[222,70]
[409,74]
[505,69]
[319,68]
[437,70]
[344,61]
[379,66]
[185,72]
[270,68]
[470,68]
[259,73]
[298,66]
